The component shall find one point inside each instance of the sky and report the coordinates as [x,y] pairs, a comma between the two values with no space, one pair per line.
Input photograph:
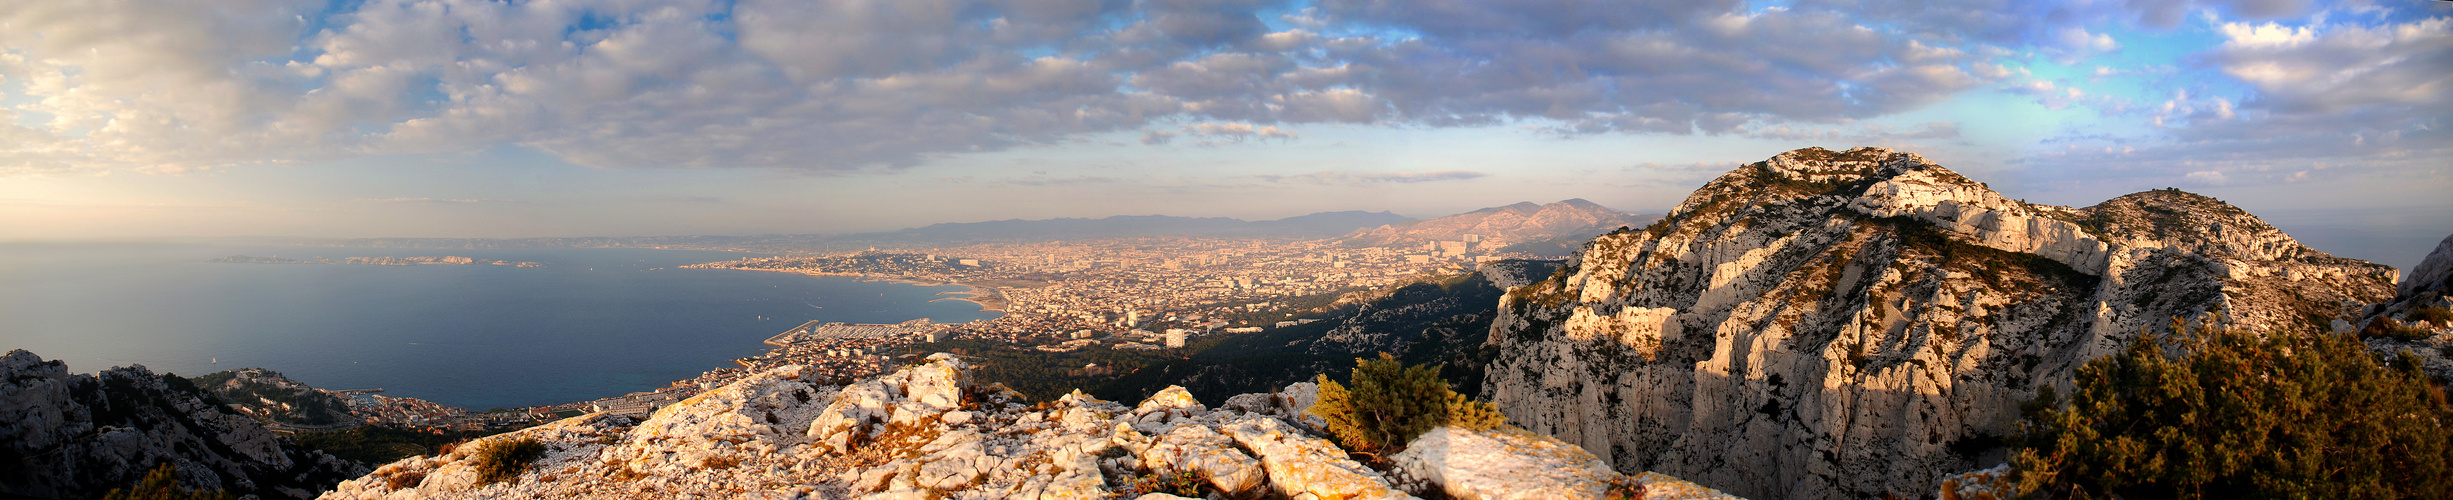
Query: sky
[130,119]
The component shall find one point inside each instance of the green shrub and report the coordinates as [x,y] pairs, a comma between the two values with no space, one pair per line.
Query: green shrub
[2217,413]
[2437,315]
[163,484]
[504,459]
[1390,404]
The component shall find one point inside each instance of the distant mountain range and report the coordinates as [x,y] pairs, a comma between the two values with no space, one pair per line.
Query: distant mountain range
[1317,225]
[1550,230]
[1522,227]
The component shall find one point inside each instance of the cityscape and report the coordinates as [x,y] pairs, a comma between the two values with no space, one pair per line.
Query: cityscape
[1139,293]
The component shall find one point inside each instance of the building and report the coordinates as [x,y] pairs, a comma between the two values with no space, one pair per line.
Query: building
[1176,337]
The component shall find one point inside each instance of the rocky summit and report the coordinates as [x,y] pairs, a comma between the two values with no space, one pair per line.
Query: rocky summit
[929,431]
[1838,324]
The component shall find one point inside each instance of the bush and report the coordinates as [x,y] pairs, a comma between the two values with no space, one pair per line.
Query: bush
[2226,414]
[163,484]
[504,459]
[1391,404]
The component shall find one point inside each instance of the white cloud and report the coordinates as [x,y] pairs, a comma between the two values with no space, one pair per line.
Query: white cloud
[851,85]
[2206,177]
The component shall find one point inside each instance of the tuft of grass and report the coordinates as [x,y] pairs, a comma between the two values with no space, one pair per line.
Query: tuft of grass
[504,459]
[404,479]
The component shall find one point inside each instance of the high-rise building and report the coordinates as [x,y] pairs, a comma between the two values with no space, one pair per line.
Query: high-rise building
[1175,338]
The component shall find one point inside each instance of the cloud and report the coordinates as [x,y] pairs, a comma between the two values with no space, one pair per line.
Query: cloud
[1157,137]
[2367,99]
[1237,132]
[849,85]
[846,86]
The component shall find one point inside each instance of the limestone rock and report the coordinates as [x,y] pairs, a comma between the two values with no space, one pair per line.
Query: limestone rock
[1856,323]
[2414,320]
[1505,464]
[78,436]
[921,432]
[1303,465]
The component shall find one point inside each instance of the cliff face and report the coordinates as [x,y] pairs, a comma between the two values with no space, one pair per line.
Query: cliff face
[78,436]
[2419,319]
[1843,324]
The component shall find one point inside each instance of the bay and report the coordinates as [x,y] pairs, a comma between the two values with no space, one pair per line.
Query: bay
[591,323]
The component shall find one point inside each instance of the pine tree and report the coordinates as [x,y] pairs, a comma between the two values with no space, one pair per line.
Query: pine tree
[2220,413]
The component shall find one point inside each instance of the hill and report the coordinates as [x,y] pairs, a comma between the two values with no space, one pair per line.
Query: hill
[78,436]
[272,398]
[1857,323]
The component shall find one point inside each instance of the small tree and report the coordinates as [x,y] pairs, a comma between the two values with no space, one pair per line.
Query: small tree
[1390,404]
[2228,414]
[163,484]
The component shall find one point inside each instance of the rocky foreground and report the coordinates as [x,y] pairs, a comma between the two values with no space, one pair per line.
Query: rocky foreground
[928,431]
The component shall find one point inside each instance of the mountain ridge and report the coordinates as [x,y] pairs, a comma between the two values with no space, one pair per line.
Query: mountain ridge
[1500,226]
[1828,324]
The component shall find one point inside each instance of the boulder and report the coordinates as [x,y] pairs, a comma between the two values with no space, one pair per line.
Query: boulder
[1504,464]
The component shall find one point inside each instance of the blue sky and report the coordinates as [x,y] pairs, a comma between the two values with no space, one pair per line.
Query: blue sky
[171,118]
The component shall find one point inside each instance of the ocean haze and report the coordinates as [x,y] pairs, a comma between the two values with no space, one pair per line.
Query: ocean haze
[591,323]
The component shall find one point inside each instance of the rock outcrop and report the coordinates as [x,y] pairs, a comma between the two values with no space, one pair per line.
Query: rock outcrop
[275,399]
[1855,324]
[923,432]
[78,436]
[928,431]
[2419,319]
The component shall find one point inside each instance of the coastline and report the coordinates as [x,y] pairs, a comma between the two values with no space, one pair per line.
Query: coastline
[989,298]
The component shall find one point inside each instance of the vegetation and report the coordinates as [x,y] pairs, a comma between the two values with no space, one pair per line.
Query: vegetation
[163,484]
[2220,413]
[1444,316]
[265,392]
[1188,484]
[1390,404]
[504,459]
[379,445]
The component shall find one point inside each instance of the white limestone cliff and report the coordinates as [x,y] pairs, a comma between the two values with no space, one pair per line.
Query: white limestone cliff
[1855,324]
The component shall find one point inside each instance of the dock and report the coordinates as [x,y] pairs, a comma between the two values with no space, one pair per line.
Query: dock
[820,330]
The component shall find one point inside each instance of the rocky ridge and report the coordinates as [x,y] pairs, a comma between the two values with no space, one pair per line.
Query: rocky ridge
[2419,319]
[1852,324]
[275,399]
[928,431]
[78,436]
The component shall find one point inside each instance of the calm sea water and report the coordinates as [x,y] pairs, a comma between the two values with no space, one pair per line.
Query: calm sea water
[592,323]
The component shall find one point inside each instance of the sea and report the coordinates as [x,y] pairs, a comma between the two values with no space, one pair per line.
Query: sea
[590,323]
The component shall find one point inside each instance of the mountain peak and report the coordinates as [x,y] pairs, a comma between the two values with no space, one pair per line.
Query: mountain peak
[1795,299]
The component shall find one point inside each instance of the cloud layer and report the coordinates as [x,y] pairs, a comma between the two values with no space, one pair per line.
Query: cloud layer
[853,85]
[850,84]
